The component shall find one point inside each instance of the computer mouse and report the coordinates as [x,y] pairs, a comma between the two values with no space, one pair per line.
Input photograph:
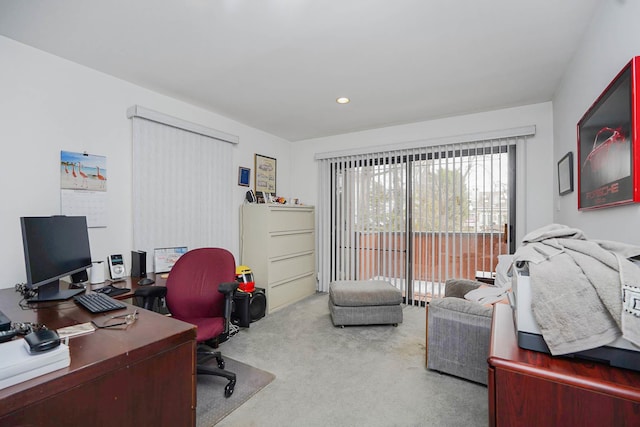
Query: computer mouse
[146,281]
[106,290]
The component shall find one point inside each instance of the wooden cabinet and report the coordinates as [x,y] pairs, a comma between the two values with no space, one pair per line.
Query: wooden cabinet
[528,388]
[278,243]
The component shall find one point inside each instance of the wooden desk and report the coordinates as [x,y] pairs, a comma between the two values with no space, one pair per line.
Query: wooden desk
[142,376]
[528,388]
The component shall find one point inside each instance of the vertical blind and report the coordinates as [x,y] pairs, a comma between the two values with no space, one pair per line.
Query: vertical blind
[416,216]
[181,182]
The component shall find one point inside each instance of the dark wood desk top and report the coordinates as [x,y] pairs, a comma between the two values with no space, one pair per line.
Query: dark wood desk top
[92,355]
[505,353]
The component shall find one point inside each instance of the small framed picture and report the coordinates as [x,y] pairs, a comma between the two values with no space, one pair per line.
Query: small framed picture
[244,176]
[565,174]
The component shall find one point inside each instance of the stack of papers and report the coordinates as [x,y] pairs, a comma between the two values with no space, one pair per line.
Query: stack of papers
[17,365]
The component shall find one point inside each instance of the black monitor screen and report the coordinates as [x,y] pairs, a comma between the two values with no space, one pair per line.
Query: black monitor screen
[54,247]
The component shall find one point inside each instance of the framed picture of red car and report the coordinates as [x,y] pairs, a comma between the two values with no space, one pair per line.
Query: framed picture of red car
[609,145]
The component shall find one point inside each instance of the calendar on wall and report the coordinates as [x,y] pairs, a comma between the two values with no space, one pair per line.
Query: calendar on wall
[83,187]
[92,204]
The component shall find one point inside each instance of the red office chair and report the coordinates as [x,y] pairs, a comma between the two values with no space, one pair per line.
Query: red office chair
[200,291]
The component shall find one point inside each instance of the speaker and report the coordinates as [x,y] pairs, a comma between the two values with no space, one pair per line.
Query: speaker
[97,272]
[80,277]
[257,304]
[138,264]
[116,266]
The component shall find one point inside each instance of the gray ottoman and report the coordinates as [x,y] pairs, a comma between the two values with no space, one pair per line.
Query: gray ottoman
[364,302]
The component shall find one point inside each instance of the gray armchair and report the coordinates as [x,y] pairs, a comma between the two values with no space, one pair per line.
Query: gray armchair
[458,333]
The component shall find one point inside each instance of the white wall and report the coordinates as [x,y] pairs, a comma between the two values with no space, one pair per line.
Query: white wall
[48,104]
[535,200]
[610,43]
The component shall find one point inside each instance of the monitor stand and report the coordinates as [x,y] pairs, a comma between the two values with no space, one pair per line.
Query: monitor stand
[51,292]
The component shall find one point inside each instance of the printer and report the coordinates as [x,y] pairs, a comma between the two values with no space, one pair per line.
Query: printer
[619,353]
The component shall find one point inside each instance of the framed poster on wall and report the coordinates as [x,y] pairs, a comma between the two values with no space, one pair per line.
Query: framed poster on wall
[608,146]
[265,176]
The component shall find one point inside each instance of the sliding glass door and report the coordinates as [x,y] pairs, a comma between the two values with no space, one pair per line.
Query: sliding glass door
[418,217]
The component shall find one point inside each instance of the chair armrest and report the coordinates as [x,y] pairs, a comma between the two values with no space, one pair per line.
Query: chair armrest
[228,288]
[461,306]
[151,292]
[460,287]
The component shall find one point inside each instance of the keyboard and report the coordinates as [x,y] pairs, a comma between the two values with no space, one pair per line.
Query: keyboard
[98,303]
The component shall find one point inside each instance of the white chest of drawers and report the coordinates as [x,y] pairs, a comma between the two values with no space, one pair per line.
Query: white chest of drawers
[278,243]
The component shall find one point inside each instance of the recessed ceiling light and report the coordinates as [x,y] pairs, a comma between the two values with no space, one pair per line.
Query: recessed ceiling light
[343,100]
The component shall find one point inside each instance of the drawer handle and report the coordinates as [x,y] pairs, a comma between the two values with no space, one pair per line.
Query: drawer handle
[290,279]
[290,233]
[286,257]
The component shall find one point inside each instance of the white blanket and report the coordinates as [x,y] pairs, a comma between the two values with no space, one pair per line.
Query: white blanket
[578,286]
[487,295]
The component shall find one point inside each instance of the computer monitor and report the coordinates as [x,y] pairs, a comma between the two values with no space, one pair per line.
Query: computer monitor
[54,247]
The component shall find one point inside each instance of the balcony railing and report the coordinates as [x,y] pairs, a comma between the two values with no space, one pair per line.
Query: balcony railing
[435,257]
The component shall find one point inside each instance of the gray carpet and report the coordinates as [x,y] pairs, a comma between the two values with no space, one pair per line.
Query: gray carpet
[213,406]
[352,376]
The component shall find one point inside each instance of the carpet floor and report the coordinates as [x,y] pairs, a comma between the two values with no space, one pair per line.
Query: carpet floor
[352,376]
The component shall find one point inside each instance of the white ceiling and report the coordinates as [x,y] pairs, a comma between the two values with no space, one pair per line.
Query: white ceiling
[279,65]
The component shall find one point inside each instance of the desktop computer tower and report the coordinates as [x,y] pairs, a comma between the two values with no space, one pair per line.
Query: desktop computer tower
[138,264]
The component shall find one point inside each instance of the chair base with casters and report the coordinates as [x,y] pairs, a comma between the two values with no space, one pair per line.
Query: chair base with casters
[204,353]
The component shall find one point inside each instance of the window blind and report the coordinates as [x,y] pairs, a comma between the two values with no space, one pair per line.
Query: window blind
[416,216]
[182,181]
